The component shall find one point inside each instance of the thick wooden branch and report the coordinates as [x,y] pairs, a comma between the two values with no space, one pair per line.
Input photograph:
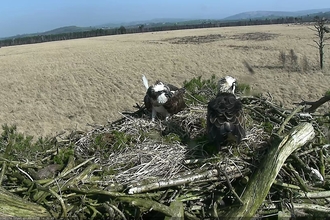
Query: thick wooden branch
[316,104]
[14,206]
[312,208]
[314,195]
[263,178]
[173,182]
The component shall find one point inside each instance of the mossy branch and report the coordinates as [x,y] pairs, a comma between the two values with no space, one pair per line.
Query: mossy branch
[263,178]
[14,206]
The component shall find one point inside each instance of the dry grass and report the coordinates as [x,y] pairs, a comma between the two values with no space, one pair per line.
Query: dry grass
[50,87]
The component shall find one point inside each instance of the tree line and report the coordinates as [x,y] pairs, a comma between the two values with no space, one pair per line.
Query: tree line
[144,28]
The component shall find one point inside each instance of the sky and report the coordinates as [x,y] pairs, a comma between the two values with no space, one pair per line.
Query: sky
[32,16]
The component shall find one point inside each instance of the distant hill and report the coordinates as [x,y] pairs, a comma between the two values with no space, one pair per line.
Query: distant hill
[61,30]
[67,29]
[253,15]
[264,14]
[148,22]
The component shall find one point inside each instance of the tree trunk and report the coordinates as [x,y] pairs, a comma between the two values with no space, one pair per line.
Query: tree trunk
[14,206]
[263,178]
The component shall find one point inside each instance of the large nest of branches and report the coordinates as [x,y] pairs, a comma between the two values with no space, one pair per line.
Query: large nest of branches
[134,168]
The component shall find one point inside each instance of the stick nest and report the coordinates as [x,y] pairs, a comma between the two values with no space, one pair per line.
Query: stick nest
[134,168]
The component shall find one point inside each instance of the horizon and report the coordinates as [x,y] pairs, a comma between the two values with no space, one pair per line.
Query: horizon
[26,17]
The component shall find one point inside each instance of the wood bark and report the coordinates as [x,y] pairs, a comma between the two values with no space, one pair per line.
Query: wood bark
[15,206]
[263,178]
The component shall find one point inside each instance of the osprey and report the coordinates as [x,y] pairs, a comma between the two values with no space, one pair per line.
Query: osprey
[163,98]
[225,120]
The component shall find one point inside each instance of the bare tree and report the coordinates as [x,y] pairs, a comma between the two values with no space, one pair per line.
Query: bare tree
[321,29]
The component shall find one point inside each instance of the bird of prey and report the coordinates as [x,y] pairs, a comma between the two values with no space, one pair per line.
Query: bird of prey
[163,98]
[225,119]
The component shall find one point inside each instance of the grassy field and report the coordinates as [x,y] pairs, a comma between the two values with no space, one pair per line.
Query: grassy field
[61,86]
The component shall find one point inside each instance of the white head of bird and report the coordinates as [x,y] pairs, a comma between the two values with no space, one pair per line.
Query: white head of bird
[227,84]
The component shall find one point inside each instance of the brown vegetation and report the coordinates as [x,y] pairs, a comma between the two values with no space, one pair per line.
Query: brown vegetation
[62,86]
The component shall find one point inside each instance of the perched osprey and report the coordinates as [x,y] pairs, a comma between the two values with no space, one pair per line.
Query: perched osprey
[225,121]
[163,98]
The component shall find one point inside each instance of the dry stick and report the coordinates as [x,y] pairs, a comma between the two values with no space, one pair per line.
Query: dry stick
[69,171]
[3,169]
[316,104]
[147,204]
[232,188]
[25,173]
[95,211]
[173,182]
[288,119]
[263,178]
[314,195]
[117,210]
[304,186]
[321,164]
[81,175]
[311,207]
[61,201]
[286,185]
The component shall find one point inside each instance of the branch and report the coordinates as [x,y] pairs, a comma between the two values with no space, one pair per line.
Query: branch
[316,104]
[314,195]
[173,182]
[311,207]
[288,119]
[15,206]
[263,178]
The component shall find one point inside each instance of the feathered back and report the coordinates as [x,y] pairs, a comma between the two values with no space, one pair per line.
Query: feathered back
[176,103]
[225,120]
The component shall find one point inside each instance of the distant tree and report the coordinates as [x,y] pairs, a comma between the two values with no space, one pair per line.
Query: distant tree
[320,29]
[121,30]
[141,27]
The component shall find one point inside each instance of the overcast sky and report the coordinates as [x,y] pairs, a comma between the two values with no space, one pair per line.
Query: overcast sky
[30,16]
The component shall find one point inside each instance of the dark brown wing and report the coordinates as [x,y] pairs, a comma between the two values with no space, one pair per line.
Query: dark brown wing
[172,87]
[225,119]
[176,103]
[147,102]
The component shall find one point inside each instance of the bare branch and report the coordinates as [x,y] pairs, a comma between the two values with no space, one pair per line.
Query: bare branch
[316,104]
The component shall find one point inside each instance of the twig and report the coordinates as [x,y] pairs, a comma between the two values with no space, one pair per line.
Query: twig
[321,163]
[69,171]
[61,201]
[232,188]
[117,210]
[287,185]
[288,119]
[147,204]
[3,170]
[25,173]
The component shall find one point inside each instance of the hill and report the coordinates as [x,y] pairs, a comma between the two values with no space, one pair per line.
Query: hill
[67,29]
[61,30]
[149,22]
[265,14]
